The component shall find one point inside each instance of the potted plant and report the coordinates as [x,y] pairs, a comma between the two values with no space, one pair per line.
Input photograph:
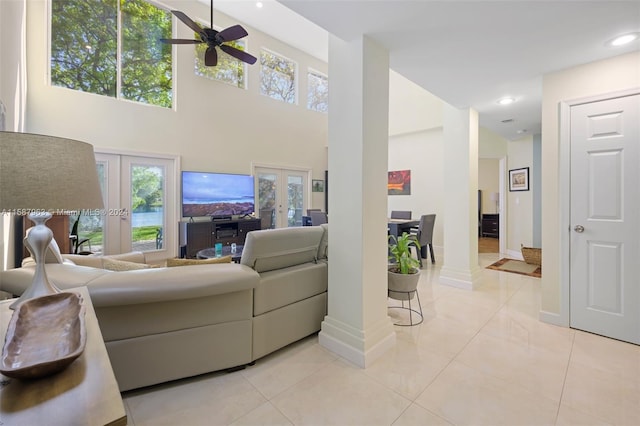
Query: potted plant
[404,273]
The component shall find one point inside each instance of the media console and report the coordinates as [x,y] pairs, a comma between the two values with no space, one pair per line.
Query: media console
[202,235]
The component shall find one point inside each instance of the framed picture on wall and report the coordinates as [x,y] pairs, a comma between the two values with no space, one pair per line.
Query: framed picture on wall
[519,179]
[317,185]
[399,182]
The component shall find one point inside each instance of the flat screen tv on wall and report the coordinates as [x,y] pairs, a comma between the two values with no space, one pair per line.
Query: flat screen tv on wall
[216,194]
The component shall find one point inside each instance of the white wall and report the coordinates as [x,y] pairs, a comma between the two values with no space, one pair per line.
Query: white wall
[488,182]
[618,73]
[213,126]
[520,203]
[422,153]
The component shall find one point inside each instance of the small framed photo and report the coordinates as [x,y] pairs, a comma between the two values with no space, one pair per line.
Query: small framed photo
[317,185]
[519,179]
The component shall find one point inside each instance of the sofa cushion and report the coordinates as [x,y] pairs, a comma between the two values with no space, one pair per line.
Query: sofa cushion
[272,249]
[283,287]
[187,262]
[121,265]
[96,261]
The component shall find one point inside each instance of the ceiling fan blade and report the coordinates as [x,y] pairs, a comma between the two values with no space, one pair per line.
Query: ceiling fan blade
[187,21]
[237,53]
[211,57]
[180,41]
[232,33]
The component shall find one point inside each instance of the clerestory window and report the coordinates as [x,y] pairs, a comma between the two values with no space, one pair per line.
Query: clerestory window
[228,70]
[112,48]
[317,91]
[278,77]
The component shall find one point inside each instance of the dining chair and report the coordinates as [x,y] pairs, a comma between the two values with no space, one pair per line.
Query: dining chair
[401,214]
[318,218]
[266,218]
[424,237]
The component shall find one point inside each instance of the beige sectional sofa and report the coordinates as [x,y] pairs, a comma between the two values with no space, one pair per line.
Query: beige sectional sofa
[162,324]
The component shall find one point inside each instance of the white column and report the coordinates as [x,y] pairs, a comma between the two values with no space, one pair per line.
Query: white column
[460,268]
[357,326]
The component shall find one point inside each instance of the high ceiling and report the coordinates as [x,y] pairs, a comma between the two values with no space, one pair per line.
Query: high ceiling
[468,53]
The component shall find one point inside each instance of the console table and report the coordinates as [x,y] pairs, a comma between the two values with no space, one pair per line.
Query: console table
[85,393]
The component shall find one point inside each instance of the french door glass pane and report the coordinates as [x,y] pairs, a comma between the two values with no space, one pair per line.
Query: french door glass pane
[86,227]
[147,207]
[267,184]
[295,196]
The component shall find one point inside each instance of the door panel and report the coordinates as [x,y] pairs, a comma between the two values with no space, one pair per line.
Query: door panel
[283,193]
[605,218]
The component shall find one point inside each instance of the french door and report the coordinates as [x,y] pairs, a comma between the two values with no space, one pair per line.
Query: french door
[282,194]
[139,196]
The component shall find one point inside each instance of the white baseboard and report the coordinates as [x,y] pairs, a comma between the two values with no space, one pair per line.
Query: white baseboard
[552,318]
[350,343]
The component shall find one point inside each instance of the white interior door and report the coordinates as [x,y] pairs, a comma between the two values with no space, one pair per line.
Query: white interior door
[605,218]
[283,193]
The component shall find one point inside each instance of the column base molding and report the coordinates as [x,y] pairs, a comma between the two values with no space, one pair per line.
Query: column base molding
[360,347]
[466,279]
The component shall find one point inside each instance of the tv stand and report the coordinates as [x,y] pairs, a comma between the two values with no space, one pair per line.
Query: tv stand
[202,235]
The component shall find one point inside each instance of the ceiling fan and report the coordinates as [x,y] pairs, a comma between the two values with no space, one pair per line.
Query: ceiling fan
[213,39]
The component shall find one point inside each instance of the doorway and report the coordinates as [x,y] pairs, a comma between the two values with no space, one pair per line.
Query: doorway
[602,243]
[282,194]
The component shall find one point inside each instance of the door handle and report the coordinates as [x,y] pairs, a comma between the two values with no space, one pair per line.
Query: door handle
[579,229]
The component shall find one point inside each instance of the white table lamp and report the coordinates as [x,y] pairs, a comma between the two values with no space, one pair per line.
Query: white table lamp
[41,175]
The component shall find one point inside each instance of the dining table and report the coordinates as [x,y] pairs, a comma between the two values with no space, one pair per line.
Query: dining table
[396,227]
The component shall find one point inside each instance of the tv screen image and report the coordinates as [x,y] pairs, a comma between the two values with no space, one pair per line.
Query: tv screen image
[216,194]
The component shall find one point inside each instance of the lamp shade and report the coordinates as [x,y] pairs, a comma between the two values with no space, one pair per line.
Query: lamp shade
[47,173]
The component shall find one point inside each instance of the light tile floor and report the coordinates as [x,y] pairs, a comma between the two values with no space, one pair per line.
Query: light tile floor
[479,358]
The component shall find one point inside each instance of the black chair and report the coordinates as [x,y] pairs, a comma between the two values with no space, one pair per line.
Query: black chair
[266,218]
[318,218]
[401,214]
[159,239]
[424,237]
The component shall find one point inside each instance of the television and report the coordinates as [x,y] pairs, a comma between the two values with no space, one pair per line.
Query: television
[216,194]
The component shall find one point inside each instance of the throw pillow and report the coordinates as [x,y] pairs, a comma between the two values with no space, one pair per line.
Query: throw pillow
[122,265]
[185,262]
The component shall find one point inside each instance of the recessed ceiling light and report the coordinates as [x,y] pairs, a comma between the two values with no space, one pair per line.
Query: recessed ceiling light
[521,131]
[623,39]
[506,101]
[259,4]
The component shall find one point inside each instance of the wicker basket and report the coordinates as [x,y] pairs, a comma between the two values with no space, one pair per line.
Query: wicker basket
[532,255]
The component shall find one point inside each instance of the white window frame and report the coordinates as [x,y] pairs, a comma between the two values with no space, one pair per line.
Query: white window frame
[296,77]
[318,74]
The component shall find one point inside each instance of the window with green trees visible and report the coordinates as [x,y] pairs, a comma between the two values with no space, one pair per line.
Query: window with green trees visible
[86,35]
[229,69]
[277,77]
[317,91]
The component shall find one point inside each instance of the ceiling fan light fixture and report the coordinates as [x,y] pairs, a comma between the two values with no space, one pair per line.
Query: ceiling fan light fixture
[623,39]
[506,101]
